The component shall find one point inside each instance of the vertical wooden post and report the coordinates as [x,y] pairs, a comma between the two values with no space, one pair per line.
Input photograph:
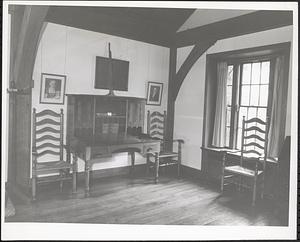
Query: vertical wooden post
[33,180]
[171,99]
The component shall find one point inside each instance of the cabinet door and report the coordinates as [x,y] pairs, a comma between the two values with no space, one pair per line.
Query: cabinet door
[70,119]
[110,116]
[136,114]
[84,116]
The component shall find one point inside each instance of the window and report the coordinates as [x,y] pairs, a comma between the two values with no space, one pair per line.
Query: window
[247,95]
[249,82]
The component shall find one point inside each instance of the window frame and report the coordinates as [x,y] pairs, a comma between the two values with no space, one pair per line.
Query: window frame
[253,54]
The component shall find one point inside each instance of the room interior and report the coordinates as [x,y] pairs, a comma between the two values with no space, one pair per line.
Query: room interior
[181,51]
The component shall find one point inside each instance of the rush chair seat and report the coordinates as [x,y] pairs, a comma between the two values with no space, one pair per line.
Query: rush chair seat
[156,129]
[47,139]
[251,167]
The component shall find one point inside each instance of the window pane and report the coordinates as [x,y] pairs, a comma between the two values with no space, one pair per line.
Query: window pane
[246,73]
[252,113]
[245,95]
[254,95]
[229,95]
[229,75]
[261,113]
[255,77]
[265,72]
[263,99]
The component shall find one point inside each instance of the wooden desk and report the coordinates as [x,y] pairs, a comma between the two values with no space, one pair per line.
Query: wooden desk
[92,149]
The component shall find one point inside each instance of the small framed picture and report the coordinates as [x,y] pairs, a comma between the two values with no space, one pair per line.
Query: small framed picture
[154,93]
[52,88]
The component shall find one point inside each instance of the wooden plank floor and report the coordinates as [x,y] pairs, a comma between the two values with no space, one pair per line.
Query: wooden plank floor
[137,200]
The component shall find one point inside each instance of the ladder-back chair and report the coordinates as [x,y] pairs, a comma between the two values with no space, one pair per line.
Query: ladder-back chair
[47,139]
[156,129]
[254,142]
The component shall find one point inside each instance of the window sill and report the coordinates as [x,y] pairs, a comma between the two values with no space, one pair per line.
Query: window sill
[236,152]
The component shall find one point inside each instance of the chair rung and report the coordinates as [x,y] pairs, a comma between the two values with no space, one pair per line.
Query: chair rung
[41,180]
[168,164]
[228,176]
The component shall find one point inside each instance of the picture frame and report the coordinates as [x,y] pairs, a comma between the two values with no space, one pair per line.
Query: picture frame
[154,93]
[52,88]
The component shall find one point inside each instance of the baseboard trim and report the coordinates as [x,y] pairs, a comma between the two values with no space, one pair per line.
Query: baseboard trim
[190,172]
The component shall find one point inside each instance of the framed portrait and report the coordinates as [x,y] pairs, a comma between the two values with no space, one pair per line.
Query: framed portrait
[154,93]
[52,88]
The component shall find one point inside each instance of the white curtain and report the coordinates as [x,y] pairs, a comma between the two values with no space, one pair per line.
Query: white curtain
[278,108]
[136,112]
[219,138]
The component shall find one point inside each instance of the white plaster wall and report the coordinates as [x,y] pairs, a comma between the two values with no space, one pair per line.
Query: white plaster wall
[189,109]
[72,52]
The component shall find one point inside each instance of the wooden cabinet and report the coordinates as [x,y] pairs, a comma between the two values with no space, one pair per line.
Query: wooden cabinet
[101,116]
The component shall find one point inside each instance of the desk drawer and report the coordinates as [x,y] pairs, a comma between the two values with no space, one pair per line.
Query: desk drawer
[99,151]
[155,147]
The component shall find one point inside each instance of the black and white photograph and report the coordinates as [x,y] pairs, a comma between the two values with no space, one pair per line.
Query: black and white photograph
[154,93]
[149,120]
[52,88]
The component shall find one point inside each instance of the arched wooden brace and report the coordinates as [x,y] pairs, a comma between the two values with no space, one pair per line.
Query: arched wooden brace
[176,80]
[194,55]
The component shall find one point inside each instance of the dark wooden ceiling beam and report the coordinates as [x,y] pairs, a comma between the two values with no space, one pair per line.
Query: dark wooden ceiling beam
[241,25]
[123,22]
[109,24]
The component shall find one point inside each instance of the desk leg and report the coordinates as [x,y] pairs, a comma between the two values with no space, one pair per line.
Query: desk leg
[87,178]
[156,167]
[132,154]
[148,164]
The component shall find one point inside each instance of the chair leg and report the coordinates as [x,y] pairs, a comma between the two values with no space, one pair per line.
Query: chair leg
[74,174]
[87,179]
[240,183]
[61,181]
[74,182]
[178,170]
[33,187]
[222,182]
[254,192]
[262,187]
[147,164]
[156,168]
